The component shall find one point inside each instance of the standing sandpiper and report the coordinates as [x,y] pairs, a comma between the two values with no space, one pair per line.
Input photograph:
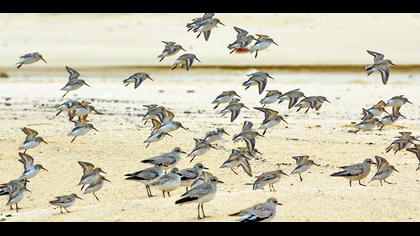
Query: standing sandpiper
[302,165]
[137,79]
[167,182]
[396,102]
[190,175]
[74,81]
[171,48]
[263,42]
[356,171]
[225,97]
[185,60]
[29,58]
[16,195]
[262,212]
[31,140]
[201,194]
[147,176]
[269,178]
[379,64]
[96,186]
[257,78]
[65,201]
[384,170]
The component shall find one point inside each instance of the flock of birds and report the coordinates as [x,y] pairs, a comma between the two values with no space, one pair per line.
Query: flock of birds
[201,185]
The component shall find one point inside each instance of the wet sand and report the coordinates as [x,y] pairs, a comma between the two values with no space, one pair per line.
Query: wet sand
[118,146]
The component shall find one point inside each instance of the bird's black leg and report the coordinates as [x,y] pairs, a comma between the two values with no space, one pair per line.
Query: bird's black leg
[95,196]
[300,177]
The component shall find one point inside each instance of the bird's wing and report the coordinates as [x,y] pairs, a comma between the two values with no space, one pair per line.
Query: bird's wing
[377,56]
[137,82]
[73,73]
[189,173]
[241,32]
[381,163]
[27,160]
[30,133]
[207,35]
[300,159]
[245,165]
[384,73]
[247,125]
[234,114]
[261,85]
[87,167]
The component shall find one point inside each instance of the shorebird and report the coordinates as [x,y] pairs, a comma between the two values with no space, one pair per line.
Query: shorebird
[31,169]
[96,186]
[29,58]
[293,96]
[154,137]
[16,195]
[197,21]
[248,135]
[257,78]
[237,158]
[302,165]
[407,136]
[167,127]
[200,148]
[167,160]
[379,64]
[84,110]
[269,178]
[213,136]
[171,48]
[7,188]
[396,102]
[147,176]
[206,26]
[384,170]
[375,110]
[81,129]
[234,108]
[167,182]
[74,81]
[271,118]
[399,144]
[225,97]
[367,125]
[190,175]
[262,212]
[390,119]
[200,194]
[240,32]
[137,79]
[356,171]
[65,201]
[185,60]
[312,102]
[272,96]
[90,173]
[241,43]
[158,113]
[416,151]
[247,153]
[69,107]
[263,42]
[31,140]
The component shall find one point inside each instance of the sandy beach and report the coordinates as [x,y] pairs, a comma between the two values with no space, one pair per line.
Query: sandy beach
[117,45]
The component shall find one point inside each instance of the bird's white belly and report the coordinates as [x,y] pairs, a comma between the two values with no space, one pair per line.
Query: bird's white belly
[31,173]
[261,45]
[270,99]
[270,124]
[30,144]
[70,87]
[82,111]
[80,131]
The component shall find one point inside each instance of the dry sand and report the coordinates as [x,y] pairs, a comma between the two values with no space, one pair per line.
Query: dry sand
[118,148]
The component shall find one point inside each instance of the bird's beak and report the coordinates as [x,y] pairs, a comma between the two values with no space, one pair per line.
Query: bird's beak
[184,128]
[275,43]
[107,180]
[86,84]
[213,147]
[284,174]
[246,107]
[396,170]
[409,102]
[221,23]
[183,49]
[150,78]
[279,204]
[220,182]
[284,120]
[205,168]
[392,64]
[226,133]
[170,135]
[44,142]
[184,152]
[79,197]
[28,190]
[103,172]
[317,164]
[44,60]
[44,168]
[327,101]
[269,76]
[197,59]
[95,129]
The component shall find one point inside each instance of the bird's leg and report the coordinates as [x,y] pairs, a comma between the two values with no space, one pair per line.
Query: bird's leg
[198,210]
[17,208]
[202,209]
[298,109]
[95,196]
[270,187]
[300,177]
[25,151]
[381,182]
[163,192]
[273,187]
[256,53]
[169,194]
[232,51]
[65,94]
[73,139]
[387,182]
[186,189]
[307,110]
[61,210]
[11,207]
[233,171]
[360,183]
[82,187]
[66,210]
[350,182]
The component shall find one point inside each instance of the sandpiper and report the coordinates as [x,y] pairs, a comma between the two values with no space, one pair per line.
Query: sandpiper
[167,182]
[167,160]
[302,165]
[234,108]
[206,26]
[158,113]
[65,201]
[167,127]
[185,60]
[137,79]
[240,32]
[84,110]
[257,78]
[407,136]
[201,194]
[384,170]
[16,195]
[262,212]
[379,64]
[375,110]
[271,118]
[154,137]
[241,44]
[190,175]
[312,102]
[7,188]
[272,96]
[197,21]
[96,186]
[200,149]
[147,176]
[367,125]
[396,102]
[69,107]
[213,136]
[293,96]
[269,178]
[398,145]
[237,158]
[356,171]
[249,154]
[390,119]
[31,169]
[171,48]
[31,140]
[29,58]
[263,42]
[74,81]
[81,129]
[416,151]
[225,97]
[90,173]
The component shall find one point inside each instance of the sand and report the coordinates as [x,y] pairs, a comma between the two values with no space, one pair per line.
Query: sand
[118,146]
